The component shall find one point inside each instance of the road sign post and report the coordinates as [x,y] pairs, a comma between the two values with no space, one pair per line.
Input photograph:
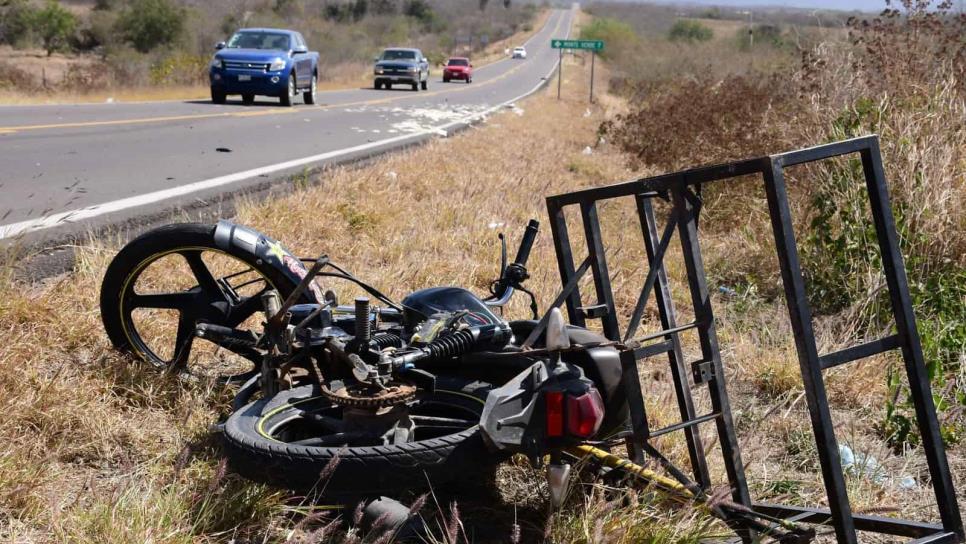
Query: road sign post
[593,57]
[587,45]
[559,71]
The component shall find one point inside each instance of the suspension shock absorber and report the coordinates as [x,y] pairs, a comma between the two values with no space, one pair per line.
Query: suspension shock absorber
[363,332]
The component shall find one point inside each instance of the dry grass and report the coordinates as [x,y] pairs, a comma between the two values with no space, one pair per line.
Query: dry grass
[97,449]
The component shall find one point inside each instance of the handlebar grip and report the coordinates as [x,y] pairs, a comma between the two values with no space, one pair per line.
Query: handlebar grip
[526,244]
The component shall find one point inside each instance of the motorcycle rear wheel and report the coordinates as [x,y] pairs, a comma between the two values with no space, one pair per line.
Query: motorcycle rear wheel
[264,442]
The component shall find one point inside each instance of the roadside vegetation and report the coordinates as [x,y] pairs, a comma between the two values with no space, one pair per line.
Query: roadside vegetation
[877,75]
[97,46]
[98,449]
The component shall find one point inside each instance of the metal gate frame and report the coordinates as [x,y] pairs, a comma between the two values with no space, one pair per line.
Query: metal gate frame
[677,188]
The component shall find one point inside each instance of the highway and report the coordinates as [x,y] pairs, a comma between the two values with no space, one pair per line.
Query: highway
[73,168]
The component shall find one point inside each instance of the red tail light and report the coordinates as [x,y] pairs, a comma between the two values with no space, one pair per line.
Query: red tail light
[555,413]
[584,414]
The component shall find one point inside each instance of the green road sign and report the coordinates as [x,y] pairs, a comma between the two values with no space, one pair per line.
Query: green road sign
[593,45]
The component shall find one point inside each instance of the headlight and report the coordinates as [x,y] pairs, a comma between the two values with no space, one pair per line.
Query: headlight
[217,63]
[277,64]
[379,70]
[414,69]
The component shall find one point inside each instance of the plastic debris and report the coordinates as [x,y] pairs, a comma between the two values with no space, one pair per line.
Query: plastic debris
[867,466]
[588,151]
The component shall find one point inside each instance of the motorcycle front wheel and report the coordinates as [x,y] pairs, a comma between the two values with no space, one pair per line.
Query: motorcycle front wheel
[162,284]
[284,441]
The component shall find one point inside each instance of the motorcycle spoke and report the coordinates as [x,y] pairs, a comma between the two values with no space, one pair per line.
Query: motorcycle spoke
[182,342]
[240,312]
[328,423]
[167,301]
[200,270]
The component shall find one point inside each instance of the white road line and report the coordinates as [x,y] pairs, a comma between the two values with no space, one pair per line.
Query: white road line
[72,216]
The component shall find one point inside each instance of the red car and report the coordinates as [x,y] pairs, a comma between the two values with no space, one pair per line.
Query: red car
[458,68]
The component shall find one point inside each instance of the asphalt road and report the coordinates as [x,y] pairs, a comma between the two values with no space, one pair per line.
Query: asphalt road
[72,168]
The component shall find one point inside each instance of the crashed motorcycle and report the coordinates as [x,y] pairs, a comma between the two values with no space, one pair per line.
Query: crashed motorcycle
[348,401]
[372,397]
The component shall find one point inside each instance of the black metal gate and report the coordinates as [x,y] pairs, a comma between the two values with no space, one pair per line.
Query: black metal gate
[682,190]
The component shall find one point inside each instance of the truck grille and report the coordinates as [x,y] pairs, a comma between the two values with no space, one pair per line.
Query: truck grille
[244,65]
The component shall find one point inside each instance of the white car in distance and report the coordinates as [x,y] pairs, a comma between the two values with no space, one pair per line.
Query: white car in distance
[519,52]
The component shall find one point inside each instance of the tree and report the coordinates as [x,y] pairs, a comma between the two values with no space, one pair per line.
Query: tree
[55,25]
[383,7]
[359,9]
[17,22]
[689,31]
[418,9]
[147,24]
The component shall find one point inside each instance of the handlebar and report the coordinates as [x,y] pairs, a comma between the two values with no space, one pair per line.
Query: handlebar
[515,272]
[526,244]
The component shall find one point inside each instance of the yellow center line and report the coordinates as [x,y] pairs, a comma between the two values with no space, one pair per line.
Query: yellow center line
[83,124]
[17,128]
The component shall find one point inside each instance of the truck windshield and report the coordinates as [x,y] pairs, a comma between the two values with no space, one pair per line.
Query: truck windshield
[259,40]
[398,54]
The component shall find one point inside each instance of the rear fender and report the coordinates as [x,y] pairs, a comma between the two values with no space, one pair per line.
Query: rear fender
[240,240]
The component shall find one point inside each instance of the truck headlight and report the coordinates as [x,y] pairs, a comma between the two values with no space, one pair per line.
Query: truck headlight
[379,71]
[217,63]
[414,69]
[277,64]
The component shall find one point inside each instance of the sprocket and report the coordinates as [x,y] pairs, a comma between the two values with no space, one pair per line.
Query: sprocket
[366,396]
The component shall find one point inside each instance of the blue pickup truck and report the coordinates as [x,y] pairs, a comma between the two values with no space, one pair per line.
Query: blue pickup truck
[264,61]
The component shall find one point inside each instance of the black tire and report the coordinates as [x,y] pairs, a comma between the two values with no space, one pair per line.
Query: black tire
[376,85]
[118,286]
[309,96]
[288,97]
[360,471]
[218,96]
[469,80]
[415,86]
[248,99]
[425,84]
[445,80]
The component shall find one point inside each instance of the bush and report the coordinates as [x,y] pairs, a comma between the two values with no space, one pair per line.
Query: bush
[702,120]
[763,35]
[617,35]
[147,24]
[686,30]
[13,78]
[181,69]
[17,26]
[55,26]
